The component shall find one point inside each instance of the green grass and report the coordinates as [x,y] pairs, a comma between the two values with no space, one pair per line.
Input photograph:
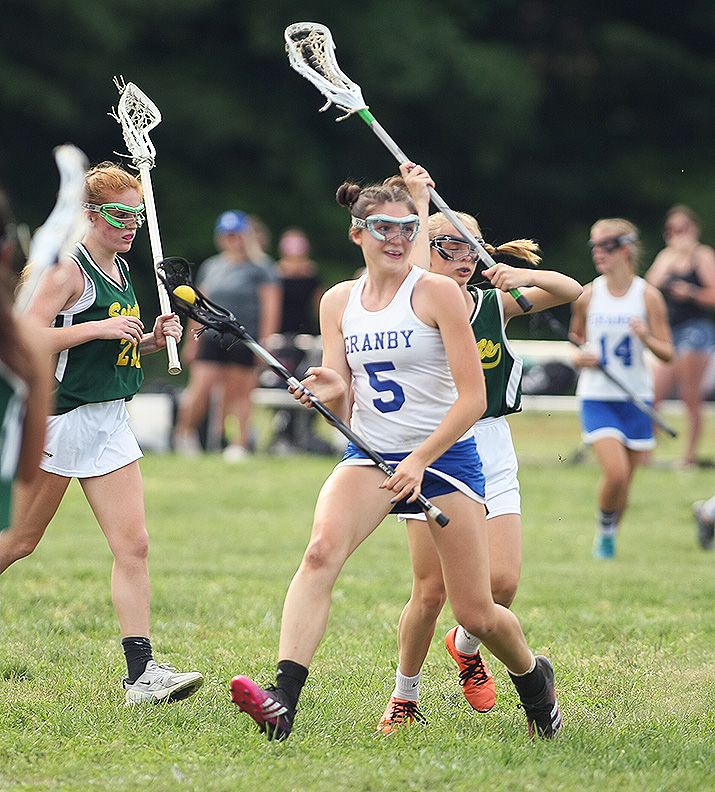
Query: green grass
[633,642]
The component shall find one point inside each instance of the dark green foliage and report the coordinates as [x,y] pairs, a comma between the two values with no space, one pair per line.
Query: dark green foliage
[539,117]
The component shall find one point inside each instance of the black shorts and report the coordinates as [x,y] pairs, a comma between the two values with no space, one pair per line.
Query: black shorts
[215,348]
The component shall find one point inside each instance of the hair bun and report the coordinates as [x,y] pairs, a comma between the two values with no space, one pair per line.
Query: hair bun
[347,194]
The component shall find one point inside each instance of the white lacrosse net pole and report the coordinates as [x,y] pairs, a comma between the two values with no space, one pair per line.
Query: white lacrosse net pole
[138,115]
[65,225]
[311,52]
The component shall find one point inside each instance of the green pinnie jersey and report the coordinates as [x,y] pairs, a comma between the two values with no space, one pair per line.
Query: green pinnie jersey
[502,367]
[13,392]
[103,369]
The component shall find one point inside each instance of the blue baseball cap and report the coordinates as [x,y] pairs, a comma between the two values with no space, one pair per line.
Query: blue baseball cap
[232,222]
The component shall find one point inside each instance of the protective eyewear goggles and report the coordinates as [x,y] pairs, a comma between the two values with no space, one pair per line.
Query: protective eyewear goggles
[454,248]
[117,214]
[612,244]
[385,228]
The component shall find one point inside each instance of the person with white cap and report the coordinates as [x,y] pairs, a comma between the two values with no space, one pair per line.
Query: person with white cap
[241,278]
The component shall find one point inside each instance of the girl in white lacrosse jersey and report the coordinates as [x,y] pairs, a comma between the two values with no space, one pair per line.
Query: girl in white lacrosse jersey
[399,350]
[617,318]
[448,253]
[93,325]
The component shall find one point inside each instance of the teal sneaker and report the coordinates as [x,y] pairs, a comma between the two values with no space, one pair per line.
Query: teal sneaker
[604,546]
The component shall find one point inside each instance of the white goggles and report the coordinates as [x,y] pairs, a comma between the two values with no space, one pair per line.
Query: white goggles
[385,228]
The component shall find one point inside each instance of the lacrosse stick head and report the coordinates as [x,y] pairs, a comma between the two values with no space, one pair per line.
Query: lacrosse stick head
[65,225]
[137,115]
[175,272]
[311,52]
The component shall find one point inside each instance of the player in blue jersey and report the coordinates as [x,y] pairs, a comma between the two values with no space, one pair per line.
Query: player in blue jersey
[401,363]
[616,320]
[91,321]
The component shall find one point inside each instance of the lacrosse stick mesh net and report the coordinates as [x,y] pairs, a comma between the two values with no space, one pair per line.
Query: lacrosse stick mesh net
[311,52]
[137,115]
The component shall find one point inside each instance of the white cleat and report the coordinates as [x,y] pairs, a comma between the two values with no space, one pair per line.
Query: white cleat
[162,683]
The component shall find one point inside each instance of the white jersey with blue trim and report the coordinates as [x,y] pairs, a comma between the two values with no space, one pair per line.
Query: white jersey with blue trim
[401,379]
[619,349]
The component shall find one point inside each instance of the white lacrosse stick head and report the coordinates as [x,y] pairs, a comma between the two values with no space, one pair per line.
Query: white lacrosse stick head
[311,52]
[138,115]
[65,225]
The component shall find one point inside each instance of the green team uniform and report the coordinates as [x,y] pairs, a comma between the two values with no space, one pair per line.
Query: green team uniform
[12,412]
[103,369]
[502,368]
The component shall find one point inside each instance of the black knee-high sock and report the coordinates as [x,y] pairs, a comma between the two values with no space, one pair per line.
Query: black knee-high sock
[531,685]
[290,678]
[137,653]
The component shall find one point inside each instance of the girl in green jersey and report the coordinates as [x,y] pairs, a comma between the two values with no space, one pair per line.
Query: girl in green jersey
[451,255]
[93,326]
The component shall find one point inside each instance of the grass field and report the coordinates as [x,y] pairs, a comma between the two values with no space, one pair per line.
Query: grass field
[633,642]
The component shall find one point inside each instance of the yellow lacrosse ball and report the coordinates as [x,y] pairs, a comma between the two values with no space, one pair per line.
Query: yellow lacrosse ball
[185,293]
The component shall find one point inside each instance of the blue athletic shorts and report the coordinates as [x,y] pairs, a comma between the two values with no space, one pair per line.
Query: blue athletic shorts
[459,468]
[619,419]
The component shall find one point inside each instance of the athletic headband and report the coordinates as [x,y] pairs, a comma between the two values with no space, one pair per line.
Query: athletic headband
[612,244]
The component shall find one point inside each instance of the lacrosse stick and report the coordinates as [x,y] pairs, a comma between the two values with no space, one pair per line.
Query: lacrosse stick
[138,115]
[311,52]
[175,274]
[63,227]
[556,327]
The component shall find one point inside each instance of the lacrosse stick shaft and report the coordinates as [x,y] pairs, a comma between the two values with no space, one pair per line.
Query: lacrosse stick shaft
[441,204]
[278,368]
[643,406]
[157,254]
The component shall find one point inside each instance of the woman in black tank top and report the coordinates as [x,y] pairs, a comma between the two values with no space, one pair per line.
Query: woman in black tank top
[685,272]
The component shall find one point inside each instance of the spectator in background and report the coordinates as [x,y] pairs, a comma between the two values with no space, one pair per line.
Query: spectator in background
[302,290]
[301,284]
[684,271]
[242,279]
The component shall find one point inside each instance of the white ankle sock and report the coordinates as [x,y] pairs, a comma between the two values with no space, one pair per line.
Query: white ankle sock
[466,643]
[407,687]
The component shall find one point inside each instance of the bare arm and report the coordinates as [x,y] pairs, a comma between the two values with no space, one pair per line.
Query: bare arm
[331,382]
[705,295]
[543,288]
[270,297]
[38,402]
[59,289]
[581,356]
[659,270]
[164,326]
[418,180]
[655,333]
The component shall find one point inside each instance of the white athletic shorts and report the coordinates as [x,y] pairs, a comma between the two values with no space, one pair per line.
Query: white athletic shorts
[500,468]
[90,440]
